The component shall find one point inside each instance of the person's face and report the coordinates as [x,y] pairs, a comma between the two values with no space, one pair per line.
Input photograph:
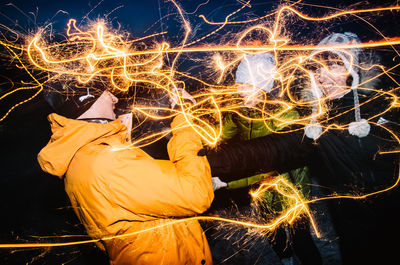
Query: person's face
[105,105]
[251,95]
[332,81]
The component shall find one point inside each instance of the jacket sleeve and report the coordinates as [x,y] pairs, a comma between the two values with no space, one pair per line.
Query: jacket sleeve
[281,152]
[191,169]
[145,186]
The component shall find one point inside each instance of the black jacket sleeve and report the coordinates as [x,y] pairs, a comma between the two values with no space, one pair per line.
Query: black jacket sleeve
[281,152]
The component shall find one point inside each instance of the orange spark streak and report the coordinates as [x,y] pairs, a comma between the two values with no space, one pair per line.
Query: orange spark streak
[106,54]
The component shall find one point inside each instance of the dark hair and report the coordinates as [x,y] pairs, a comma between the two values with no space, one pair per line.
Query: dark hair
[71,102]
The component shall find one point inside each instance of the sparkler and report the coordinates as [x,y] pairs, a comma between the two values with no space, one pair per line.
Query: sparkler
[99,54]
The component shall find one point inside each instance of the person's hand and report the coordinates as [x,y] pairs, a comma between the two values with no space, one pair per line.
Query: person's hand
[185,96]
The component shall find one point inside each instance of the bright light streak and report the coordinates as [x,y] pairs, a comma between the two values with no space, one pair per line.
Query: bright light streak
[99,53]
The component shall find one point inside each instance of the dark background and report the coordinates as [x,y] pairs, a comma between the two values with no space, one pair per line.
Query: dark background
[34,204]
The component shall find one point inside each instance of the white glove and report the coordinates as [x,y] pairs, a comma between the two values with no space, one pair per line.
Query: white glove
[185,95]
[218,184]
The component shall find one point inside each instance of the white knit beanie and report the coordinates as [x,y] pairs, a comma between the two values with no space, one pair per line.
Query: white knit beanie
[257,69]
[360,127]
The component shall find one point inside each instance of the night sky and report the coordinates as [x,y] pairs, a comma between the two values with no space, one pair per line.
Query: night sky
[34,204]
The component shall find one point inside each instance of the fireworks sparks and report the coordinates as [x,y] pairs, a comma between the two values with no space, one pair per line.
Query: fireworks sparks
[295,207]
[97,53]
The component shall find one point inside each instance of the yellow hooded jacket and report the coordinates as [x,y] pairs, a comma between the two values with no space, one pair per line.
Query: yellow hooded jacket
[124,192]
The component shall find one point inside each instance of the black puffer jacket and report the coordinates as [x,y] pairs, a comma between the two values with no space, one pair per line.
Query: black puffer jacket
[348,163]
[338,159]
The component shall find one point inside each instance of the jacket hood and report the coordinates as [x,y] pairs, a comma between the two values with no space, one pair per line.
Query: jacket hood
[68,137]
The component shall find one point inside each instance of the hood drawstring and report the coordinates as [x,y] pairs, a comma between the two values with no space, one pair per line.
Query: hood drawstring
[360,127]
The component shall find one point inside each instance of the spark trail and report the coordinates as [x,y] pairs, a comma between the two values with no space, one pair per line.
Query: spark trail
[98,54]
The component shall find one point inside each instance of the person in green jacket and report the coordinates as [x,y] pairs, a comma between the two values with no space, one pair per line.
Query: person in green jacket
[255,82]
[262,113]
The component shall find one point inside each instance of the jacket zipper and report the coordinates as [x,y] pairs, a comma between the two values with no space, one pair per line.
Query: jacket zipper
[251,129]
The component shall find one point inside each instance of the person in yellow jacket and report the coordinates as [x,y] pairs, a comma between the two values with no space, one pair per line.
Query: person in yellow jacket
[125,198]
